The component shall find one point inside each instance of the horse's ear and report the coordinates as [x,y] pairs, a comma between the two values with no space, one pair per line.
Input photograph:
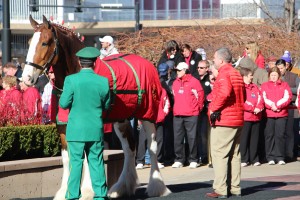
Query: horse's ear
[33,22]
[46,22]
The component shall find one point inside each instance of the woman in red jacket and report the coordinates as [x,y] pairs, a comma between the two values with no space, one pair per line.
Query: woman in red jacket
[277,96]
[31,104]
[10,100]
[252,116]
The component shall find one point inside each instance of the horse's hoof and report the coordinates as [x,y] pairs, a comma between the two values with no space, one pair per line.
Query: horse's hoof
[60,194]
[87,194]
[167,192]
[113,195]
[164,191]
[156,186]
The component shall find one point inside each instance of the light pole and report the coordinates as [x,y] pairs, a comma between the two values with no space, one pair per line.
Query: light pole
[6,33]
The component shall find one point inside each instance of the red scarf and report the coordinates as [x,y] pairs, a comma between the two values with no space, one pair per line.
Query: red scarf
[187,59]
[168,55]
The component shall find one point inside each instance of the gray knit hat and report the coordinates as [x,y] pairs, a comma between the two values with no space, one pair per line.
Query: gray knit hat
[247,63]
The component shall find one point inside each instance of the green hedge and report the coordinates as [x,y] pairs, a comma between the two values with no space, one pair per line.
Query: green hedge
[24,142]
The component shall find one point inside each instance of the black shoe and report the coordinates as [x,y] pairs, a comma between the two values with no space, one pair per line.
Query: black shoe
[210,166]
[205,161]
[290,159]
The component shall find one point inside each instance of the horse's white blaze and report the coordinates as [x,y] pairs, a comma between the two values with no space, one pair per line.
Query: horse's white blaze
[34,41]
[29,71]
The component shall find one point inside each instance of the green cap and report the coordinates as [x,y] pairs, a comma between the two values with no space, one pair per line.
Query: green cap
[88,53]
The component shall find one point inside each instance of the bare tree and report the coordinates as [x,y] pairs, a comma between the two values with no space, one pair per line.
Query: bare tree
[289,13]
[289,23]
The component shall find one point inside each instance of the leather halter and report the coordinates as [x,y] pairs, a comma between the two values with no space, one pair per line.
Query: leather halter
[45,67]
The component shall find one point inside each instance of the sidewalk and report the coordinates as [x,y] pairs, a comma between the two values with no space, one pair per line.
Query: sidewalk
[261,182]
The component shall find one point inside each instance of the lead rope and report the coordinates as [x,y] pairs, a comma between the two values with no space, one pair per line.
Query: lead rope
[59,89]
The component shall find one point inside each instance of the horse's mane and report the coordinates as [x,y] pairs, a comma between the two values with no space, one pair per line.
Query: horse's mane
[66,31]
[68,39]
[68,44]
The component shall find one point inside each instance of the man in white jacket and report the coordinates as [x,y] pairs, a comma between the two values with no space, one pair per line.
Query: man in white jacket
[108,48]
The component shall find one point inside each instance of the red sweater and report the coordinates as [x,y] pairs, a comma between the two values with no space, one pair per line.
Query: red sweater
[253,100]
[10,105]
[278,93]
[32,108]
[188,96]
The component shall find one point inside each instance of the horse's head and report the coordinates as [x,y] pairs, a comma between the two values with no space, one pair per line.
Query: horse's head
[42,50]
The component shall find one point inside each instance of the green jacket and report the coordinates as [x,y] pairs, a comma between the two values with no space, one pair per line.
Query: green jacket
[86,94]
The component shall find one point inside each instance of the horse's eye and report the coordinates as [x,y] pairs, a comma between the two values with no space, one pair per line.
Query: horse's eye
[44,44]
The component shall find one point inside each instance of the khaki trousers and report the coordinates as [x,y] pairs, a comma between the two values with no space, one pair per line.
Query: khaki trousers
[226,159]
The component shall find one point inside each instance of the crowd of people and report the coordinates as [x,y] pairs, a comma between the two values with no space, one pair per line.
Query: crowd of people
[20,103]
[270,130]
[214,112]
[242,113]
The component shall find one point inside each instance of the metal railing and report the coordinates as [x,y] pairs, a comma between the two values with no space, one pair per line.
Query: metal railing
[19,12]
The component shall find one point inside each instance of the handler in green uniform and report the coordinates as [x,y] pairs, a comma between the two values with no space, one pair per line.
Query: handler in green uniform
[86,94]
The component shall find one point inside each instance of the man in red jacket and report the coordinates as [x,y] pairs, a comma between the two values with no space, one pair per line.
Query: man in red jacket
[226,115]
[188,102]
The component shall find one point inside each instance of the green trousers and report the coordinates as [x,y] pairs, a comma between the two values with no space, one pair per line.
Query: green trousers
[94,153]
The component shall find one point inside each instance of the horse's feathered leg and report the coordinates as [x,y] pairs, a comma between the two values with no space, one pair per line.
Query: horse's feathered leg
[60,194]
[156,186]
[128,180]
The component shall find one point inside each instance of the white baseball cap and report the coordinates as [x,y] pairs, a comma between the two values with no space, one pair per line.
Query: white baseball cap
[181,66]
[107,38]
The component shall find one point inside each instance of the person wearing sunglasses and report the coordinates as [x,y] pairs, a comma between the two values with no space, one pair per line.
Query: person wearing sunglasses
[203,67]
[49,113]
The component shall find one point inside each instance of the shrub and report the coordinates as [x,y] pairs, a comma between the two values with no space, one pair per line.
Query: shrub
[24,142]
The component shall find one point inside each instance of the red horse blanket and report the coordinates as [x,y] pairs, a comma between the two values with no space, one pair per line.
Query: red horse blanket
[135,87]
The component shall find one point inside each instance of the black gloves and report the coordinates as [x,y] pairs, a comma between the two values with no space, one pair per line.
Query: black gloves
[215,116]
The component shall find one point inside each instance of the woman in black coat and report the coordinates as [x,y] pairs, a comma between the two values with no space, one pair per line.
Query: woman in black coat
[192,58]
